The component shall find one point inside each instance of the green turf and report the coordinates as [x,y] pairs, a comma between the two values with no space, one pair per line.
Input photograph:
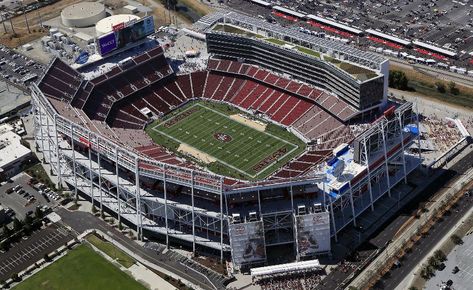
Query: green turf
[243,156]
[80,269]
[112,251]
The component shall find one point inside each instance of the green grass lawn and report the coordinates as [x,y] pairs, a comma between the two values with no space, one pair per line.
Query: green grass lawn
[243,152]
[80,269]
[112,251]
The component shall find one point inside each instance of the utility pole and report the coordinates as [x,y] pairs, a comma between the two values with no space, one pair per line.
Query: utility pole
[11,24]
[26,19]
[39,18]
[3,21]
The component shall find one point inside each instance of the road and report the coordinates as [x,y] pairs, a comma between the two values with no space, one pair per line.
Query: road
[435,72]
[388,230]
[425,245]
[81,221]
[437,232]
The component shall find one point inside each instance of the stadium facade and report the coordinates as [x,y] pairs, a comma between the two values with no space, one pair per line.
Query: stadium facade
[81,126]
[360,78]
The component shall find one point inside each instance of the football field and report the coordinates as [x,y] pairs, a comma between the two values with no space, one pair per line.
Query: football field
[220,139]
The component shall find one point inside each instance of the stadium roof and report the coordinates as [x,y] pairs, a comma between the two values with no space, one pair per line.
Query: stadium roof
[286,268]
[288,11]
[335,24]
[365,58]
[388,37]
[434,48]
[261,2]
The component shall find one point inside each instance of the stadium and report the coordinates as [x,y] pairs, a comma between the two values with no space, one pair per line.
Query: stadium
[243,158]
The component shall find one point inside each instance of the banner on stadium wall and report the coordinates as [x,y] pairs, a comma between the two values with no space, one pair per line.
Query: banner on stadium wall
[82,58]
[118,26]
[313,233]
[247,241]
[107,43]
[125,33]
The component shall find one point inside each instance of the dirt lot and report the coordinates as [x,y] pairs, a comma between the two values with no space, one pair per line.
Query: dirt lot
[17,31]
[162,15]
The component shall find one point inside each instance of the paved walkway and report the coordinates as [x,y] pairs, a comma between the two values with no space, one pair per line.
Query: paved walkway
[396,244]
[155,282]
[453,258]
[462,257]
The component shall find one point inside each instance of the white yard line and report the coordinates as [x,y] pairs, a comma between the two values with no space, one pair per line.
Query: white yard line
[294,147]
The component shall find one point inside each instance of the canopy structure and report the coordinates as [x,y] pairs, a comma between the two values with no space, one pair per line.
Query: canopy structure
[434,48]
[335,24]
[288,268]
[261,2]
[288,11]
[388,37]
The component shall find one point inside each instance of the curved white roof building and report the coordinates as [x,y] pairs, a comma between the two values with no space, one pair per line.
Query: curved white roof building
[83,14]
[105,25]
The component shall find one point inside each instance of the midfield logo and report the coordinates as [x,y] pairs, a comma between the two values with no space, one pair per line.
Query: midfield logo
[222,137]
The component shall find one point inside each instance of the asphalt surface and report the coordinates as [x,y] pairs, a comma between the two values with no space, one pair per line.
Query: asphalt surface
[17,68]
[405,19]
[437,232]
[26,252]
[424,246]
[81,221]
[18,203]
[388,230]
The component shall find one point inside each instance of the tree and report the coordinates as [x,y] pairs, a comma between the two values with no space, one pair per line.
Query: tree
[440,87]
[17,225]
[440,255]
[452,86]
[456,239]
[6,231]
[398,80]
[15,277]
[4,246]
[169,4]
[27,229]
[28,220]
[38,213]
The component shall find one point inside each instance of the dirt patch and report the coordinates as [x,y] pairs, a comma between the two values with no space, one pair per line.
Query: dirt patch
[162,16]
[17,33]
[204,157]
[257,125]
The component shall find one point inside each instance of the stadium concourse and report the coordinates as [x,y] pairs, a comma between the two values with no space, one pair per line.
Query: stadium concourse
[297,276]
[102,133]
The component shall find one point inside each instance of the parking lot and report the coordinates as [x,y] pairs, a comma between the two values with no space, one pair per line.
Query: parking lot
[462,257]
[18,68]
[447,24]
[19,202]
[26,252]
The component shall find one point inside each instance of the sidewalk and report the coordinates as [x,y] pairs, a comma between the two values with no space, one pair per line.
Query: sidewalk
[140,273]
[397,244]
[144,262]
[406,283]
